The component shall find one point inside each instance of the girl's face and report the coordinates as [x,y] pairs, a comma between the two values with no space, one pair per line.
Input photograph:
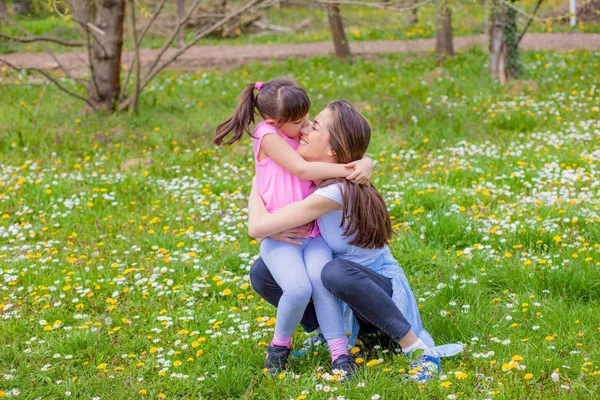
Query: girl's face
[314,143]
[292,129]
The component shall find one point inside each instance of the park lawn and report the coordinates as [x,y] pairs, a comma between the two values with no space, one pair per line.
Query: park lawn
[361,24]
[124,247]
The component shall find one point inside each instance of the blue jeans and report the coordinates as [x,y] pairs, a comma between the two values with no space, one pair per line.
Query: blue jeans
[365,291]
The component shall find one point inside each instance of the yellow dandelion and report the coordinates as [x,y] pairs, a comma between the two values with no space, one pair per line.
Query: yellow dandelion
[372,363]
[460,375]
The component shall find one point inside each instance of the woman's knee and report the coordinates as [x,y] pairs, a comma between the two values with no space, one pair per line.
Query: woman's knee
[334,275]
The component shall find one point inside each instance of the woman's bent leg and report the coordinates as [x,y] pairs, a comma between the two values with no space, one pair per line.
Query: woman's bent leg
[264,284]
[286,264]
[368,294]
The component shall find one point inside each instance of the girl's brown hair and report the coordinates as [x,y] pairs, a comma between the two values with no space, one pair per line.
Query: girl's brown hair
[364,215]
[280,99]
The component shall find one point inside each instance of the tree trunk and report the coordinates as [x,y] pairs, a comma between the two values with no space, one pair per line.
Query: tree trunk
[342,48]
[180,16]
[412,16]
[22,7]
[511,43]
[103,21]
[3,12]
[497,48]
[106,53]
[444,45]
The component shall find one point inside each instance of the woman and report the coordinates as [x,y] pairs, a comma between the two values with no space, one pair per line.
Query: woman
[355,223]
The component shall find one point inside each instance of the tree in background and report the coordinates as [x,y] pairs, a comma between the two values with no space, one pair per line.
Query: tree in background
[444,44]
[3,13]
[412,16]
[22,7]
[340,42]
[505,39]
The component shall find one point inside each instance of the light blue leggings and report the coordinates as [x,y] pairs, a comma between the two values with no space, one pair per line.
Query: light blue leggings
[297,270]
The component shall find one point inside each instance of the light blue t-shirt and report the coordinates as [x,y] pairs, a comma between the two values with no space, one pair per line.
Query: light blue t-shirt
[381,261]
[333,233]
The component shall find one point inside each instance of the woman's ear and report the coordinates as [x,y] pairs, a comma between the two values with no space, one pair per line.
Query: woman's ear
[330,153]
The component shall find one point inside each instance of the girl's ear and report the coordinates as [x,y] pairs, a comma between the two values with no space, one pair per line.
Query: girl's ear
[271,122]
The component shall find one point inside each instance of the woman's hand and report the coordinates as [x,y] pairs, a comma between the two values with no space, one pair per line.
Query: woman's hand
[362,171]
[290,235]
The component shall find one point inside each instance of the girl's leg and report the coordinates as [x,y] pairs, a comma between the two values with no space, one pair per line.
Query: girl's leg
[286,264]
[369,295]
[327,306]
[264,284]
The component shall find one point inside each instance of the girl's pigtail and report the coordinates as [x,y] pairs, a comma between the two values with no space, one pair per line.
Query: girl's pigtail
[240,121]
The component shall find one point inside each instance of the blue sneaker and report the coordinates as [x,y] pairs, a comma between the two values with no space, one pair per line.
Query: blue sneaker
[425,368]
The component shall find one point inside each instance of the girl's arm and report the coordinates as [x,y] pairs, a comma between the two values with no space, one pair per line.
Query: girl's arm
[262,224]
[285,156]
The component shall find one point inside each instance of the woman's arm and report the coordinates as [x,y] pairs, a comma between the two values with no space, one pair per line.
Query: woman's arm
[284,155]
[262,224]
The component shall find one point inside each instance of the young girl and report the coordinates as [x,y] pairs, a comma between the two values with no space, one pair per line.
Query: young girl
[284,177]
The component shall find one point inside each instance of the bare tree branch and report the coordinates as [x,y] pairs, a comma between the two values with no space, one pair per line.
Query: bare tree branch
[26,32]
[180,24]
[42,39]
[537,6]
[149,24]
[154,71]
[139,43]
[51,79]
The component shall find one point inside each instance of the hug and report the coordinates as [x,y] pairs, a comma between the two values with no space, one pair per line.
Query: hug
[324,263]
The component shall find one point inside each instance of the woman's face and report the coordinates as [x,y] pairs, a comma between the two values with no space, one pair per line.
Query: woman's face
[314,142]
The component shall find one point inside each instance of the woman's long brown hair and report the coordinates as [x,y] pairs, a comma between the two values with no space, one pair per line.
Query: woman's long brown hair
[365,217]
[280,99]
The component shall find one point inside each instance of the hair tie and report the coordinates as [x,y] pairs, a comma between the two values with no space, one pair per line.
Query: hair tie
[258,85]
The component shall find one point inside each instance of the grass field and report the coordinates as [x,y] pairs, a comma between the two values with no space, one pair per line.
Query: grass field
[124,251]
[361,23]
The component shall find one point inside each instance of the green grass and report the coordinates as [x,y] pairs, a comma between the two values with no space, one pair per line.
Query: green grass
[361,23]
[493,191]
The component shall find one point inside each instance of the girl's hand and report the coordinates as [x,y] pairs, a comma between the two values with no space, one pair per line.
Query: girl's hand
[362,171]
[291,234]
